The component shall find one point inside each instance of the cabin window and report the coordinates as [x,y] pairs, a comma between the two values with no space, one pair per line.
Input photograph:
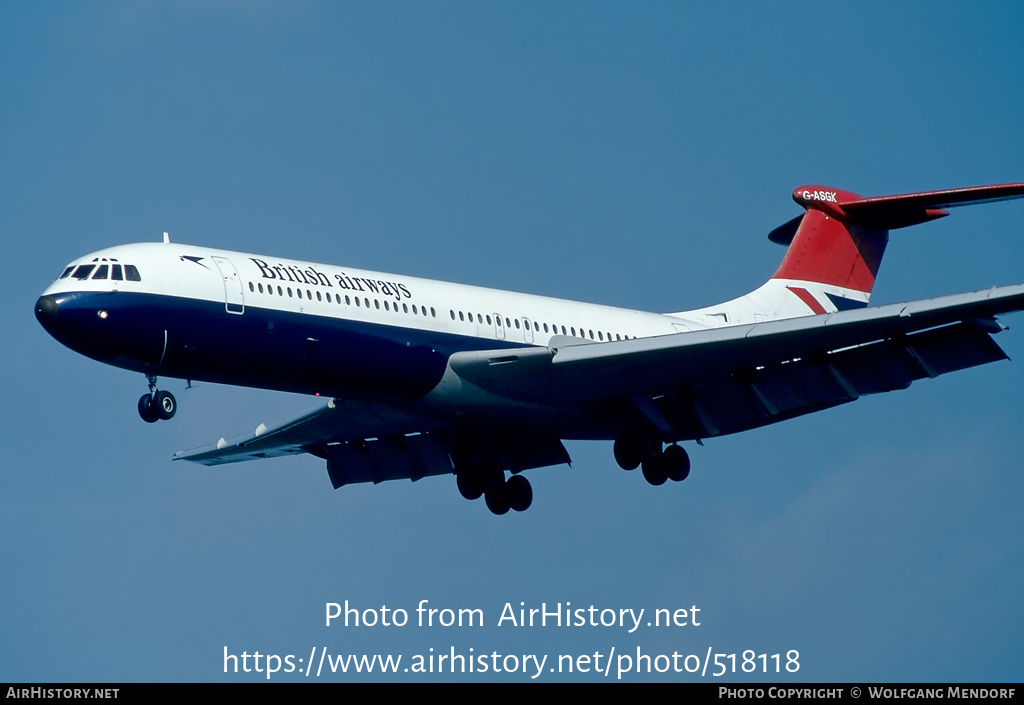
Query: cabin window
[433,313]
[251,287]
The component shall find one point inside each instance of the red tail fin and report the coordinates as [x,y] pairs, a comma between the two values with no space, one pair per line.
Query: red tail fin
[841,238]
[826,250]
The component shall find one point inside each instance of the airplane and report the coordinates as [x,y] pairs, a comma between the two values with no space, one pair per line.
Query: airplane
[426,378]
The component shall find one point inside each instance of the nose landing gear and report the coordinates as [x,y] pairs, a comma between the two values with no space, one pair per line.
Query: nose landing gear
[157,404]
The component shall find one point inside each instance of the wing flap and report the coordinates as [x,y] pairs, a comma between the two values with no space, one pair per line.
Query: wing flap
[750,398]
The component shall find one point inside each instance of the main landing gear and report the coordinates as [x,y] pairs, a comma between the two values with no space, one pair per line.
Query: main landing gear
[659,463]
[157,404]
[499,494]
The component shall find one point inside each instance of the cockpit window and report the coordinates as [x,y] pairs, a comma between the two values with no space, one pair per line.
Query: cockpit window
[83,271]
[115,272]
[66,272]
[101,272]
[131,273]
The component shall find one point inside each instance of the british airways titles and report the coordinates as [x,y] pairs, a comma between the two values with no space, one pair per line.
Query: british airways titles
[311,276]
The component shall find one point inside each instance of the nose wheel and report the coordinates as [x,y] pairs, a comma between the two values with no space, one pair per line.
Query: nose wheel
[156,405]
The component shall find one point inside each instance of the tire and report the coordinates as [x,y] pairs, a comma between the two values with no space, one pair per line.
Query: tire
[677,463]
[497,499]
[655,470]
[469,487]
[148,410]
[519,493]
[628,452]
[165,405]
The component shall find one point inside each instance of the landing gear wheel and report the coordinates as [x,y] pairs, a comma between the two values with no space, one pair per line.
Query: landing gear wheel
[677,463]
[519,493]
[165,404]
[497,499]
[628,452]
[655,470]
[147,409]
[469,487]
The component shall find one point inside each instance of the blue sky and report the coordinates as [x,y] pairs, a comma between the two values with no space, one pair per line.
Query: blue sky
[633,155]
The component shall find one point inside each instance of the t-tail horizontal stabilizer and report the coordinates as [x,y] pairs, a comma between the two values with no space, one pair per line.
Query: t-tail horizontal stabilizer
[893,212]
[837,245]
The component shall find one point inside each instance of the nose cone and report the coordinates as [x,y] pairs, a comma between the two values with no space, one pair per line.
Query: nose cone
[46,312]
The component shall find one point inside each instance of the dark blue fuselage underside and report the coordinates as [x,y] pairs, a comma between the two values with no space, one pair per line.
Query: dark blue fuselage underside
[263,348]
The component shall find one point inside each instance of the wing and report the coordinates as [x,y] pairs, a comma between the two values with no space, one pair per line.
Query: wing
[707,383]
[371,442]
[375,442]
[687,386]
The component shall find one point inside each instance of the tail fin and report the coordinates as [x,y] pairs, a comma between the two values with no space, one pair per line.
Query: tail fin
[835,249]
[830,264]
[837,246]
